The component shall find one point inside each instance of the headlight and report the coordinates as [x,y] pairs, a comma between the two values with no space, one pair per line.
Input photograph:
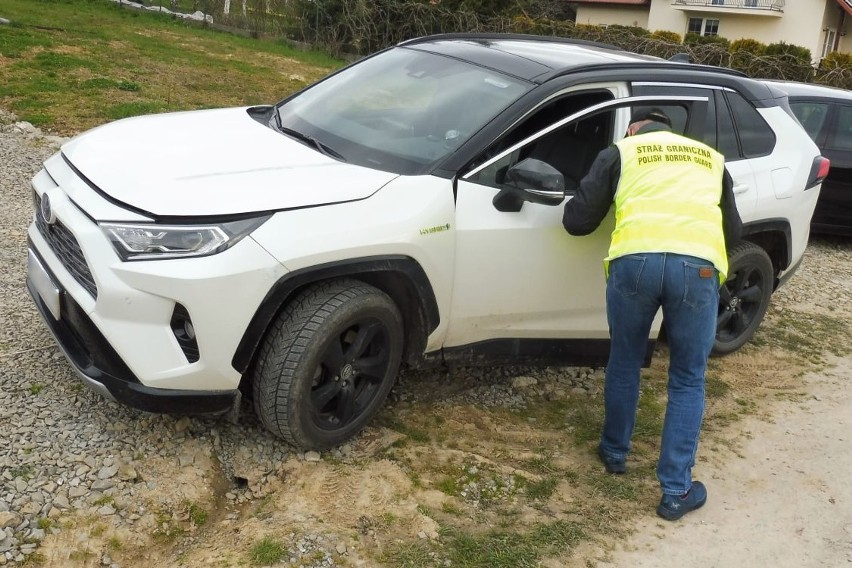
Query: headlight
[154,242]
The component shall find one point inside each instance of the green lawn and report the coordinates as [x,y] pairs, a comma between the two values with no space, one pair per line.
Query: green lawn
[69,65]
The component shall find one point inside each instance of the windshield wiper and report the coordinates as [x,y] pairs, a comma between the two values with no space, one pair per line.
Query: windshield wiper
[310,140]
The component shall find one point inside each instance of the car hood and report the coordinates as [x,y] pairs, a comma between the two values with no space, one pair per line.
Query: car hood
[212,162]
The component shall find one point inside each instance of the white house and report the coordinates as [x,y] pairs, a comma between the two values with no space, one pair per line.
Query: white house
[819,25]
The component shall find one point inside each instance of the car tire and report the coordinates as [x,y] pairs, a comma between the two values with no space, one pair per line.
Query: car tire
[328,363]
[743,298]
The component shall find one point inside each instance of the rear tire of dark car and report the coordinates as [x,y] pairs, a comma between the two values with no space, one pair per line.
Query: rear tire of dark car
[328,363]
[743,298]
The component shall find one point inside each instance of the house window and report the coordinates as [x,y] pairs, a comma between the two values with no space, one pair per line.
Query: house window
[703,27]
[751,3]
[718,2]
[711,27]
[828,45]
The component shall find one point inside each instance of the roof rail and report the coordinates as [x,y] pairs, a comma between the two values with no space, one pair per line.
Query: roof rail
[662,65]
[497,36]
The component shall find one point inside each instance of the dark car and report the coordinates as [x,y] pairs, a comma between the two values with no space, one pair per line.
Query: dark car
[826,115]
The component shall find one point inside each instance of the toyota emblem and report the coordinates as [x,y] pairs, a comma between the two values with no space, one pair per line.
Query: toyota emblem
[47,212]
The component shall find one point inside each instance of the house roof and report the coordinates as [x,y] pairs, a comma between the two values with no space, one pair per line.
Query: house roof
[627,2]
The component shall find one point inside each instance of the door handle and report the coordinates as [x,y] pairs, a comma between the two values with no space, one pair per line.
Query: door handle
[741,188]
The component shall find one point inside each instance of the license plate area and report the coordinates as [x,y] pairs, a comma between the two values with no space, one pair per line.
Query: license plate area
[49,292]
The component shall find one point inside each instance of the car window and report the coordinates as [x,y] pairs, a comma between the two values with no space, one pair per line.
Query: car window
[401,110]
[841,138]
[756,137]
[678,114]
[727,143]
[811,115]
[570,149]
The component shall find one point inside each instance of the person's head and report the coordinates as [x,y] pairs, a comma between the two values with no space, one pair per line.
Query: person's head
[647,116]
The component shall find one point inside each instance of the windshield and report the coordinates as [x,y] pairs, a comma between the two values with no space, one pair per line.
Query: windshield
[401,111]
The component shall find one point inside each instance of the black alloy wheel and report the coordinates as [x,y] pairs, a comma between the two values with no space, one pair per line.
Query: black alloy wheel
[350,373]
[328,363]
[743,298]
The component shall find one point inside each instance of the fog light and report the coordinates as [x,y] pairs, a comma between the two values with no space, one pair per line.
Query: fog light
[188,330]
[184,332]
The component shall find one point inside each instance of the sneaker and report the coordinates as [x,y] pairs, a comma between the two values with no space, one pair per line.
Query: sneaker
[673,507]
[612,465]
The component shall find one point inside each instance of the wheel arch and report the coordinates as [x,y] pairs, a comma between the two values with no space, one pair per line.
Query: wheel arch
[775,237]
[400,277]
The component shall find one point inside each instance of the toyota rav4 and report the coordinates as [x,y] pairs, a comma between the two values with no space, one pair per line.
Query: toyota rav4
[405,210]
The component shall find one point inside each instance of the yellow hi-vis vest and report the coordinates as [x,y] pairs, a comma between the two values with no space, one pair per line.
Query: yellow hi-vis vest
[667,199]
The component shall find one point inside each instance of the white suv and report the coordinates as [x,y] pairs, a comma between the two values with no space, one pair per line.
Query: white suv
[404,210]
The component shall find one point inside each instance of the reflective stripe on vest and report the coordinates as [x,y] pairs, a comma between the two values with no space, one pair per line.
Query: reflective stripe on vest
[667,199]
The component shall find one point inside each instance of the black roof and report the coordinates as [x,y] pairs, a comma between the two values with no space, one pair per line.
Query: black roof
[538,58]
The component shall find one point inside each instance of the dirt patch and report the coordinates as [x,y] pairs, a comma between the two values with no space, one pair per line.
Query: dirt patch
[784,501]
[455,469]
[497,468]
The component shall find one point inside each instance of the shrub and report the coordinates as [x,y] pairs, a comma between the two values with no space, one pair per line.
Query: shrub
[835,59]
[665,35]
[745,55]
[632,30]
[745,45]
[789,52]
[835,70]
[787,61]
[695,39]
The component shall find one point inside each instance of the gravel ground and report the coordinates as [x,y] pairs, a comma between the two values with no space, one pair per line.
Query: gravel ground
[68,450]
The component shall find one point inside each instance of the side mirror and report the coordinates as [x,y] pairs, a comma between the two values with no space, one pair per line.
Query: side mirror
[530,180]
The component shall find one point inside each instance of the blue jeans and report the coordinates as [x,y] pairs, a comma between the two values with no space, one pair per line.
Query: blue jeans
[687,289]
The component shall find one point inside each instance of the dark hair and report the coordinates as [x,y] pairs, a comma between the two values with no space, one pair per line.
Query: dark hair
[654,114]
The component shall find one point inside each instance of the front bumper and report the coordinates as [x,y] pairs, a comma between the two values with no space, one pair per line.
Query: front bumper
[158,335]
[102,370]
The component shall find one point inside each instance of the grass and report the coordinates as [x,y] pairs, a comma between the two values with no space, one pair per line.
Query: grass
[197,515]
[69,65]
[104,500]
[809,335]
[267,551]
[168,529]
[25,472]
[34,559]
[492,549]
[542,489]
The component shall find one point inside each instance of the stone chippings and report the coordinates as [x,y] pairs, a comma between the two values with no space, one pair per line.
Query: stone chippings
[67,450]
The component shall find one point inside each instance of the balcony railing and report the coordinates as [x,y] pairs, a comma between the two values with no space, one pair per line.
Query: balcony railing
[771,5]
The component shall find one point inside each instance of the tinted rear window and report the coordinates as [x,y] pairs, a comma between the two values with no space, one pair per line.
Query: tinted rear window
[756,138]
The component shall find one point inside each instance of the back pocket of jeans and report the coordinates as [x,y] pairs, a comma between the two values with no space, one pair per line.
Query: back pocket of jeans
[701,284]
[625,273]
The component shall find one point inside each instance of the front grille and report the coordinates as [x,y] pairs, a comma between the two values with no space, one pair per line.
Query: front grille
[65,246]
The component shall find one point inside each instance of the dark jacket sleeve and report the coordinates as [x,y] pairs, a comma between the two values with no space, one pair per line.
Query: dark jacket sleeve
[732,224]
[585,211]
